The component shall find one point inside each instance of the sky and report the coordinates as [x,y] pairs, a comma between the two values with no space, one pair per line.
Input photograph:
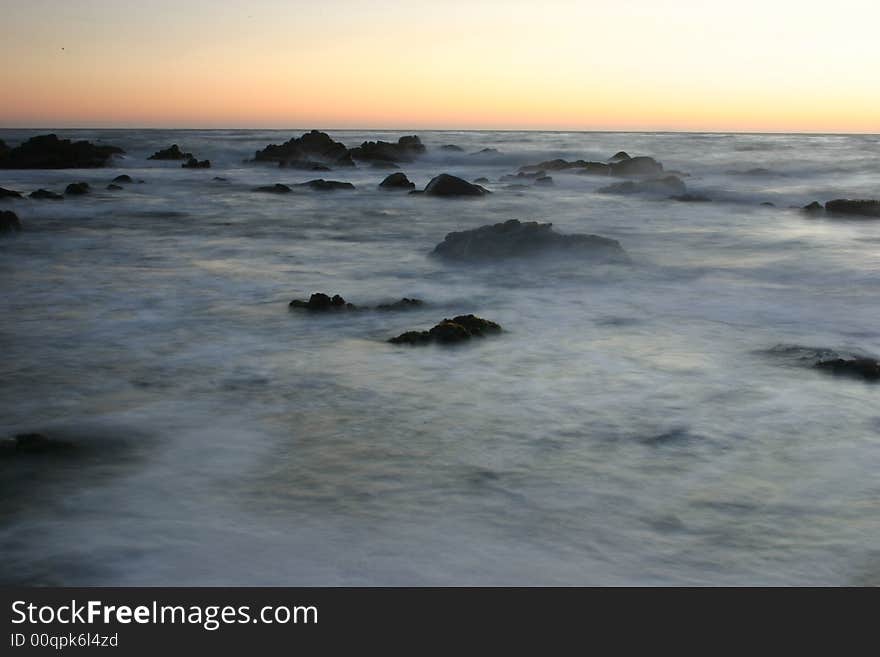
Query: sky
[700,65]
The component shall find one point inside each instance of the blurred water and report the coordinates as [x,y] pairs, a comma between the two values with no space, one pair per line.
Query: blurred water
[629,426]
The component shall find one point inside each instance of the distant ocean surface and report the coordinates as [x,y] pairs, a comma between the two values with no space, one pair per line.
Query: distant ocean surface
[648,423]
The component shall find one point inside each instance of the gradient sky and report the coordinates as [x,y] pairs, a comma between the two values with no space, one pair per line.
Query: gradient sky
[749,65]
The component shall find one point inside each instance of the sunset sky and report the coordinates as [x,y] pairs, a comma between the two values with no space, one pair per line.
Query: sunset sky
[769,65]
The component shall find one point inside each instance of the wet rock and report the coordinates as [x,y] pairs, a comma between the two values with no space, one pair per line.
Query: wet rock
[619,156]
[814,208]
[859,208]
[397,181]
[124,179]
[452,148]
[576,166]
[9,193]
[691,198]
[77,189]
[490,152]
[450,331]
[402,304]
[9,222]
[277,188]
[867,369]
[451,186]
[321,185]
[50,152]
[32,443]
[322,302]
[544,180]
[481,181]
[173,152]
[667,185]
[312,148]
[637,166]
[405,150]
[114,188]
[219,179]
[193,163]
[45,194]
[517,239]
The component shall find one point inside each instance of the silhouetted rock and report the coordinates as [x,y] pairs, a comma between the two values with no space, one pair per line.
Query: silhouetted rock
[173,152]
[405,150]
[321,185]
[193,163]
[313,147]
[113,187]
[50,152]
[402,304]
[668,185]
[619,156]
[446,185]
[322,302]
[9,222]
[9,193]
[397,181]
[691,198]
[77,189]
[814,208]
[637,166]
[32,443]
[867,369]
[450,331]
[123,179]
[860,208]
[452,148]
[277,188]
[517,239]
[45,194]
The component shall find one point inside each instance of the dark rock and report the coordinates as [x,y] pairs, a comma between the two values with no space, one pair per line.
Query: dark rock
[33,443]
[516,239]
[446,185]
[114,188]
[173,152]
[193,163]
[594,169]
[219,179]
[322,302]
[312,147]
[637,166]
[667,185]
[403,304]
[46,194]
[277,188]
[382,165]
[450,331]
[77,189]
[481,181]
[576,166]
[860,208]
[488,151]
[322,185]
[303,166]
[813,208]
[757,171]
[516,187]
[523,175]
[691,198]
[544,180]
[405,150]
[397,181]
[619,156]
[49,152]
[9,222]
[123,179]
[768,204]
[8,193]
[867,369]
[452,147]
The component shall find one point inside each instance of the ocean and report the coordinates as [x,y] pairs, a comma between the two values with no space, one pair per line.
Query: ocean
[649,423]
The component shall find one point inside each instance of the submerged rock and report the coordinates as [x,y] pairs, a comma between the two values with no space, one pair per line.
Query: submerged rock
[543,180]
[32,443]
[77,189]
[490,152]
[667,185]
[397,181]
[813,208]
[450,331]
[447,185]
[113,187]
[277,188]
[403,304]
[123,179]
[311,148]
[322,185]
[523,175]
[482,180]
[516,239]
[9,193]
[405,150]
[452,148]
[860,208]
[321,302]
[637,166]
[9,222]
[173,152]
[50,152]
[45,194]
[692,198]
[193,163]
[867,369]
